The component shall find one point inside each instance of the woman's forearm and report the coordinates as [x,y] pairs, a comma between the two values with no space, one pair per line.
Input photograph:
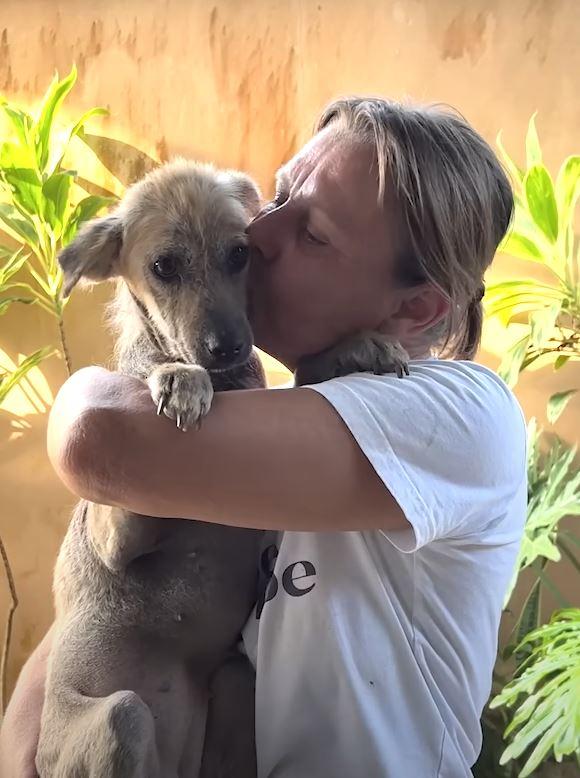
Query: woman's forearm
[21,725]
[279,459]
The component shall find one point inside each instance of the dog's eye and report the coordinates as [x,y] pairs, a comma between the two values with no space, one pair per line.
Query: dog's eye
[165,267]
[238,258]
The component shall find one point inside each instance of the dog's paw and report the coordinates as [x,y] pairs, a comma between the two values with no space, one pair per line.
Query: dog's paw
[367,352]
[182,392]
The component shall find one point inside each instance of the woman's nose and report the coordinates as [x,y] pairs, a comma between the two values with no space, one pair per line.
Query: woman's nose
[261,237]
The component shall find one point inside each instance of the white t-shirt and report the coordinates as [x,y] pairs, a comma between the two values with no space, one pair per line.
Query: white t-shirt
[374,650]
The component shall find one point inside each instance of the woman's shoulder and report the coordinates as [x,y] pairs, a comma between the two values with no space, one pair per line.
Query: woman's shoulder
[463,407]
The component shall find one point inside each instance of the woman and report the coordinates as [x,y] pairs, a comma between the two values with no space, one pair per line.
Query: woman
[395,507]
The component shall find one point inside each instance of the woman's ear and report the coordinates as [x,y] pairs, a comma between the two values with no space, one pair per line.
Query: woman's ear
[418,309]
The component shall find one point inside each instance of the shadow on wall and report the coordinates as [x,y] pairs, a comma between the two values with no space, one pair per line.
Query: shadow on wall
[127,163]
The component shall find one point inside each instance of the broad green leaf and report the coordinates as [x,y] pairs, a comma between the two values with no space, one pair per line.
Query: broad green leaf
[542,324]
[514,171]
[85,210]
[507,299]
[509,369]
[17,225]
[56,191]
[557,403]
[567,190]
[20,120]
[533,150]
[545,693]
[522,247]
[9,380]
[25,188]
[57,92]
[541,201]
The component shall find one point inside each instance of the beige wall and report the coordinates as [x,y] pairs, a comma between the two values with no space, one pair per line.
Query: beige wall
[240,83]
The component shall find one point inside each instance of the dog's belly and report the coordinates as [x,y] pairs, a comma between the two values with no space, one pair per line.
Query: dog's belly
[189,583]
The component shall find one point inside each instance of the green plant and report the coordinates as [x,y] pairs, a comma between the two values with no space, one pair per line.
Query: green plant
[41,208]
[542,233]
[545,694]
[41,202]
[553,494]
[548,314]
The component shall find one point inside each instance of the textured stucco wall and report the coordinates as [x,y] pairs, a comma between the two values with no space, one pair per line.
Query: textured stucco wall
[241,83]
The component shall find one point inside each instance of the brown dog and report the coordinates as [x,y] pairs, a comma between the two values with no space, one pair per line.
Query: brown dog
[149,611]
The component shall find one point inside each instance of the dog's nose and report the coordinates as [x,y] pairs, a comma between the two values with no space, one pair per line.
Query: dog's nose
[224,349]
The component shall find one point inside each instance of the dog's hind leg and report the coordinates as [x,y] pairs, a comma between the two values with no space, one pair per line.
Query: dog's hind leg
[229,749]
[119,706]
[107,737]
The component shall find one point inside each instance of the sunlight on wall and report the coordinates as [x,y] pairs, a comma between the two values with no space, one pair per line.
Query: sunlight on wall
[30,396]
[276,373]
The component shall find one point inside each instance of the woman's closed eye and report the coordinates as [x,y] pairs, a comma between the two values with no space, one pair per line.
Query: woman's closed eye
[314,239]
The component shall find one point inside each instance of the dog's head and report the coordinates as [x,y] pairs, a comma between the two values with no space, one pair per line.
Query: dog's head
[178,240]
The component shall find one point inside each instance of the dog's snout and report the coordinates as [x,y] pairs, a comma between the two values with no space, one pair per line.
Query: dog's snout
[225,349]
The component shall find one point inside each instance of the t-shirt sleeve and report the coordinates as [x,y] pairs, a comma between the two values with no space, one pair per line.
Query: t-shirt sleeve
[448,442]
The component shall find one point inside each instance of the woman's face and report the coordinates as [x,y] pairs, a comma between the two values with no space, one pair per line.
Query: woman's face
[322,252]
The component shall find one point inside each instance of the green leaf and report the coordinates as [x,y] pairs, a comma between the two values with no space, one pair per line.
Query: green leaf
[15,261]
[522,247]
[25,189]
[513,170]
[53,99]
[545,693]
[85,210]
[6,302]
[542,324]
[541,201]
[509,368]
[17,225]
[8,380]
[529,619]
[561,361]
[557,403]
[507,299]
[533,150]
[20,120]
[56,191]
[567,190]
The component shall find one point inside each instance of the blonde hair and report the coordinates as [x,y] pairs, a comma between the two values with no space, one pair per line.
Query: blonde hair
[455,198]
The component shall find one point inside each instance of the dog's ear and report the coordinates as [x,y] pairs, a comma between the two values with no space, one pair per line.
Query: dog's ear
[94,252]
[245,190]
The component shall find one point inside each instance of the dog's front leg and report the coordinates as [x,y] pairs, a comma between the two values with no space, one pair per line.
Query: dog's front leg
[229,749]
[182,392]
[365,352]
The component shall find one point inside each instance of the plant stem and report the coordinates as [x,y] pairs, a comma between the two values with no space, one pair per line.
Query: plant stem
[563,547]
[8,633]
[64,347]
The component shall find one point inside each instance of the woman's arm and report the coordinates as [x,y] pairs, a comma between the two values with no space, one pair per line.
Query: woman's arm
[279,459]
[21,725]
